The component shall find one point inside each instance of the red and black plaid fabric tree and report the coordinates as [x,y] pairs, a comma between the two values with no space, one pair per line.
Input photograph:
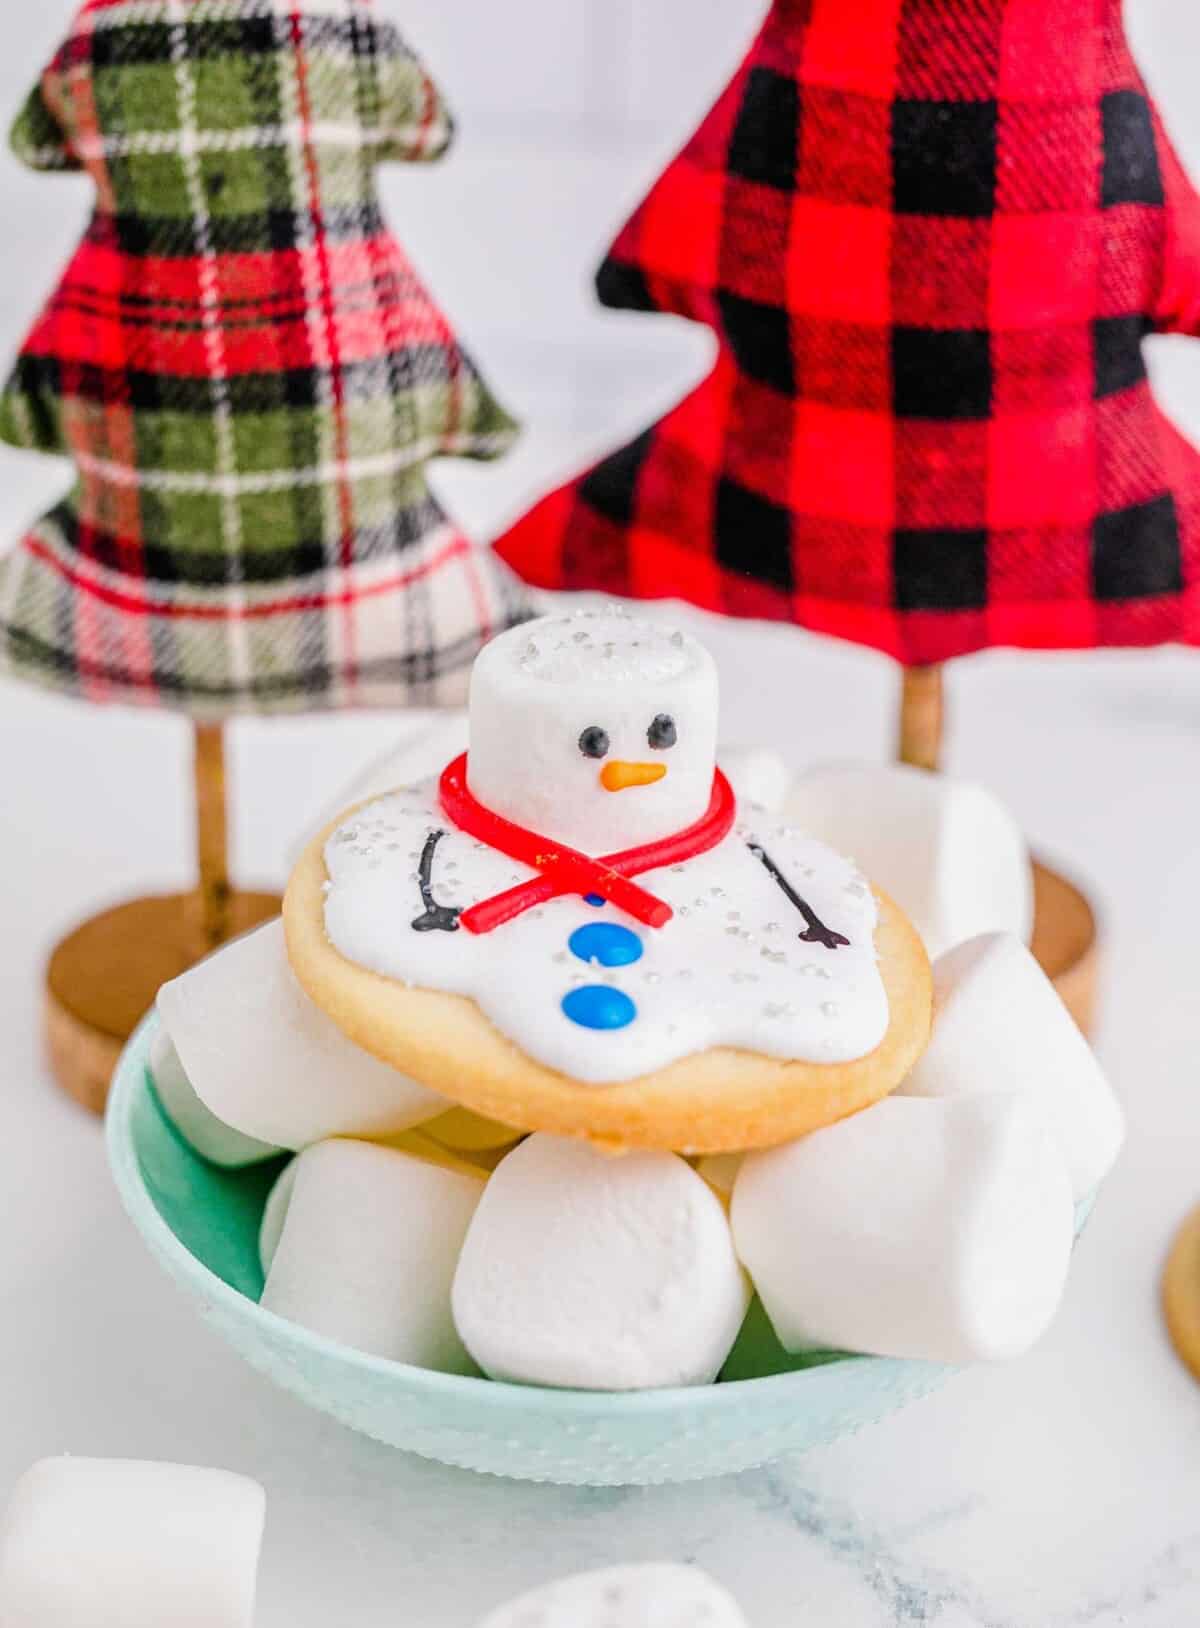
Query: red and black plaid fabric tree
[931,236]
[248,374]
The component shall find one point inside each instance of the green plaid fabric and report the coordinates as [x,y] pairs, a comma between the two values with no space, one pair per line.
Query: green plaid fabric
[247,373]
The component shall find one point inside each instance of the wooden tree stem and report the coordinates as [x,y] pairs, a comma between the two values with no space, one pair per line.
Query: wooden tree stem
[212,835]
[922,716]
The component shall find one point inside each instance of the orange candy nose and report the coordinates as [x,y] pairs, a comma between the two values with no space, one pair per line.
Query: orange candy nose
[621,776]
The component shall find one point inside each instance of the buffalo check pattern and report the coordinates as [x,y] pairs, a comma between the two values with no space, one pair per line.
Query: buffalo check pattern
[248,374]
[931,236]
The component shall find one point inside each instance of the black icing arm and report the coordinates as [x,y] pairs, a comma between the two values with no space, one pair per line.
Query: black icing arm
[437,918]
[817,932]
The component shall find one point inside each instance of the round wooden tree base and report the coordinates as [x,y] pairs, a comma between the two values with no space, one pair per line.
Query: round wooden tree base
[1181,1292]
[1065,941]
[103,979]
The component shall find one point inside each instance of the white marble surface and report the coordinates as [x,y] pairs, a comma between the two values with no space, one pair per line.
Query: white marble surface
[1063,1491]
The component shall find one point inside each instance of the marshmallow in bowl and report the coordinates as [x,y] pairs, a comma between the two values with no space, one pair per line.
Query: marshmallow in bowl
[947,851]
[219,1143]
[760,777]
[927,1228]
[275,1210]
[590,1271]
[368,1247]
[999,1025]
[624,1597]
[265,1060]
[121,1544]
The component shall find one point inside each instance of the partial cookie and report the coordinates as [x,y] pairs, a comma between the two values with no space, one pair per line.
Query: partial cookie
[1181,1292]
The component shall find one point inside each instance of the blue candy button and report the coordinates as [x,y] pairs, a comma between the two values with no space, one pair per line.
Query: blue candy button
[606,944]
[596,1006]
[596,900]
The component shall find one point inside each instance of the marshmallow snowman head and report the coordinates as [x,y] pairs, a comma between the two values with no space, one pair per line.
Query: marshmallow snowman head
[598,730]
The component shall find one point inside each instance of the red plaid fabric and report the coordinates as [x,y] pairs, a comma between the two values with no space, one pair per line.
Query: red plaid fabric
[931,236]
[248,374]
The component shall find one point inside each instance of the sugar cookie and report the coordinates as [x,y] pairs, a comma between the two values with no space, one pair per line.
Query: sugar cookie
[717,981]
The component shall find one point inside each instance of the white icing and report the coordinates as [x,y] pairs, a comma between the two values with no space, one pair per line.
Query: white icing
[728,970]
[537,689]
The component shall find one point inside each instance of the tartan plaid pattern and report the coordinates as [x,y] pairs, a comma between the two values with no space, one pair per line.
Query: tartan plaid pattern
[247,373]
[931,237]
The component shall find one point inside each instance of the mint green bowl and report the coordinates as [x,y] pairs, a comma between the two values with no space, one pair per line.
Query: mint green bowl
[202,1225]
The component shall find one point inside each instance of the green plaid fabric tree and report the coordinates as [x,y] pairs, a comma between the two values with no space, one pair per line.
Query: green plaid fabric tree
[247,373]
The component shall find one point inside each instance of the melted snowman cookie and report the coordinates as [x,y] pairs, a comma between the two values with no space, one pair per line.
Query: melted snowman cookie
[584,891]
[746,959]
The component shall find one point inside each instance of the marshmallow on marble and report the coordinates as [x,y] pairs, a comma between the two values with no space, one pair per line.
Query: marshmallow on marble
[215,1141]
[624,1597]
[999,1026]
[265,1060]
[120,1544]
[947,851]
[592,1272]
[370,1241]
[574,707]
[936,1229]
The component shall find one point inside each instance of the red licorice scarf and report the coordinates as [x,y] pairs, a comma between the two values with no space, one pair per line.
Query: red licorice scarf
[563,870]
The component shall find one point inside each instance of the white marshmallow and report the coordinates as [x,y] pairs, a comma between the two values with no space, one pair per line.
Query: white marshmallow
[270,1229]
[368,1251]
[593,1272]
[624,1597]
[215,1141]
[119,1544]
[266,1061]
[999,1025]
[760,778]
[948,852]
[930,1229]
[537,691]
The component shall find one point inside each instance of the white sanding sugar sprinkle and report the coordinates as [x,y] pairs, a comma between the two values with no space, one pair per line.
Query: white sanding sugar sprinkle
[606,647]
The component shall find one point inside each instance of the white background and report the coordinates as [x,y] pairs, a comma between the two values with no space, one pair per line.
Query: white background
[1064,1491]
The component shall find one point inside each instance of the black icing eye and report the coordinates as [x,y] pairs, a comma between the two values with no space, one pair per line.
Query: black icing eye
[662,733]
[594,742]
